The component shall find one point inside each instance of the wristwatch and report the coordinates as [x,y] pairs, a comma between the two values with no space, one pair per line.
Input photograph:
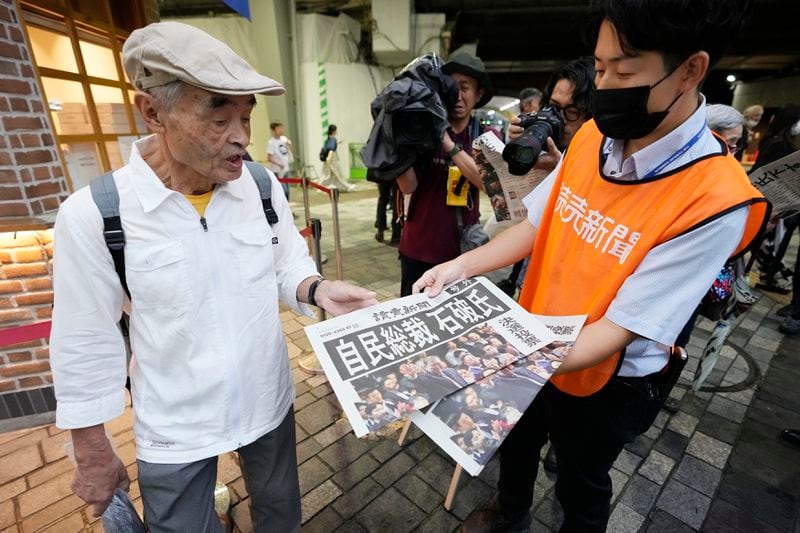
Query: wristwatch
[454,151]
[312,291]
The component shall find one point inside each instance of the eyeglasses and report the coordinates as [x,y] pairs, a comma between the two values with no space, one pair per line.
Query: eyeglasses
[571,112]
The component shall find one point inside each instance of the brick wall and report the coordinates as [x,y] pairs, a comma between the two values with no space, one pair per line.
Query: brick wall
[32,180]
[26,296]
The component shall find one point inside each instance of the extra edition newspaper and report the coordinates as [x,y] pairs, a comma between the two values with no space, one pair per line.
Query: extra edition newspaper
[504,189]
[779,182]
[469,425]
[396,357]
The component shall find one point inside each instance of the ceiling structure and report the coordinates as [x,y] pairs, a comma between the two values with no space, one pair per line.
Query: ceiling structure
[522,41]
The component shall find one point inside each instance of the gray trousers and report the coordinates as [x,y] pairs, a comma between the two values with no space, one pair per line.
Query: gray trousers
[180,497]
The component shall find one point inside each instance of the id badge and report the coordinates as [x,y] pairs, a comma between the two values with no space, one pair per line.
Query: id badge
[457,188]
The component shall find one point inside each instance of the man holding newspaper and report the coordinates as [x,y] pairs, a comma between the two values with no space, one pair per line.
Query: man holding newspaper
[630,228]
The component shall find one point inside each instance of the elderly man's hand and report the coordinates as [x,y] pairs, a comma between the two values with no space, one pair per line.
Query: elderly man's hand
[98,472]
[338,297]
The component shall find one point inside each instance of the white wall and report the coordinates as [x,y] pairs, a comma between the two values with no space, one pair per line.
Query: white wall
[350,92]
[769,93]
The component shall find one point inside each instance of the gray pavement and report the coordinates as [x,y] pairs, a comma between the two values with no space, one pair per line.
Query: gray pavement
[716,465]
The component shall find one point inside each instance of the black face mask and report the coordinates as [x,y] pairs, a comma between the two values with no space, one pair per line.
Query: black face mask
[622,113]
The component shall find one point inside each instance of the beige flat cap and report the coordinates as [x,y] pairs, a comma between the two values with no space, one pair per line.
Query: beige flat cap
[164,52]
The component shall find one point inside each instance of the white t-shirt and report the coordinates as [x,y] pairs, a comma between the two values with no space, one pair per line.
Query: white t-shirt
[279,150]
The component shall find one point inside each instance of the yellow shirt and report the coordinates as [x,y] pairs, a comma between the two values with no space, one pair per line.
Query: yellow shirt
[200,201]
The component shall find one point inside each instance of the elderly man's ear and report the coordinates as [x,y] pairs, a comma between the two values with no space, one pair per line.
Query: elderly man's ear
[146,106]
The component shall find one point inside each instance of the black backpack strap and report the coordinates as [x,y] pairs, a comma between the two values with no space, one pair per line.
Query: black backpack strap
[106,197]
[264,183]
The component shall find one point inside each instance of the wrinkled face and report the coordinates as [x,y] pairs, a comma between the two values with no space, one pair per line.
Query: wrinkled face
[468,95]
[731,136]
[209,132]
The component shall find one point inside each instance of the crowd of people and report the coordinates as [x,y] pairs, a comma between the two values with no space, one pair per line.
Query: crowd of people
[483,414]
[418,381]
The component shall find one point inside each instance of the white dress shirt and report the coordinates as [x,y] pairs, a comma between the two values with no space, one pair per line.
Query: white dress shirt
[210,371]
[657,300]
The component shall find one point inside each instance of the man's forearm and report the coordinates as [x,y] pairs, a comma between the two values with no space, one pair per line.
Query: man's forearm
[89,442]
[596,342]
[469,168]
[505,249]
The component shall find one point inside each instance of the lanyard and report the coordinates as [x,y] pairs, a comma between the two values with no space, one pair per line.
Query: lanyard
[674,157]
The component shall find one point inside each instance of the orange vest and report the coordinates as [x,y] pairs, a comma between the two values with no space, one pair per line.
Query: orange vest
[595,231]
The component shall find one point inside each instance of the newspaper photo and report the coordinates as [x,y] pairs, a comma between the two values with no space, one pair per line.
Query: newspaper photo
[396,357]
[470,424]
[779,182]
[504,189]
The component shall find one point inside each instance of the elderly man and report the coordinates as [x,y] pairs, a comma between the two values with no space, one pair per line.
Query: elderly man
[204,269]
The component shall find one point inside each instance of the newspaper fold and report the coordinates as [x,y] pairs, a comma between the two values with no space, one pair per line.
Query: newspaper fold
[779,182]
[471,424]
[396,357]
[504,189]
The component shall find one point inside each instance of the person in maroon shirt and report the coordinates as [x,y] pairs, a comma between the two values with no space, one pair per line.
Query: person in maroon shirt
[430,233]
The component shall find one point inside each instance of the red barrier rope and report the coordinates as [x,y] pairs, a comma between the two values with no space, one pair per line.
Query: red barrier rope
[298,181]
[31,332]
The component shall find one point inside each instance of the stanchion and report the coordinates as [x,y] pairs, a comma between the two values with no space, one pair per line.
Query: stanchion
[337,236]
[310,363]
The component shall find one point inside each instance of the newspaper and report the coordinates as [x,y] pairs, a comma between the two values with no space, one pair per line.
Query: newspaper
[470,424]
[779,182]
[504,189]
[393,358]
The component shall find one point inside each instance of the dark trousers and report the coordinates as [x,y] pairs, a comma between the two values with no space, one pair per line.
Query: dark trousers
[587,435]
[387,194]
[410,271]
[180,497]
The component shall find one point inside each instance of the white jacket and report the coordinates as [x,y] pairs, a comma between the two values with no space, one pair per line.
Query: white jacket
[210,371]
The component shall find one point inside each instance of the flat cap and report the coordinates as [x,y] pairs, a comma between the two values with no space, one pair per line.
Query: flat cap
[164,52]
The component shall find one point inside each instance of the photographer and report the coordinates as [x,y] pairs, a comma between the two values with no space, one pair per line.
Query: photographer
[431,231]
[569,90]
[642,212]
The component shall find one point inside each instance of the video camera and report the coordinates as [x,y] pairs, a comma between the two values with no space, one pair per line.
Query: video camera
[521,153]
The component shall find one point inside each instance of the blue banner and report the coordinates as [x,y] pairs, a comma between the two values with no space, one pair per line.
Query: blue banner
[240,6]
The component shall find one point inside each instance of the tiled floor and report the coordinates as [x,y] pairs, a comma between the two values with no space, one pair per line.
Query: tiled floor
[716,465]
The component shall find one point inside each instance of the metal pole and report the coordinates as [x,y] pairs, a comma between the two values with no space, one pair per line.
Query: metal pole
[316,233]
[306,207]
[310,363]
[337,237]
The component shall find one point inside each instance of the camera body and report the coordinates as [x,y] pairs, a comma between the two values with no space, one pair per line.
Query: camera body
[521,153]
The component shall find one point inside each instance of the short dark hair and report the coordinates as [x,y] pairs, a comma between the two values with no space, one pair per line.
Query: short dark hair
[274,125]
[674,28]
[581,73]
[331,128]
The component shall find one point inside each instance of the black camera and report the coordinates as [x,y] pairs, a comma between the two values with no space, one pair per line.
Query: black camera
[521,153]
